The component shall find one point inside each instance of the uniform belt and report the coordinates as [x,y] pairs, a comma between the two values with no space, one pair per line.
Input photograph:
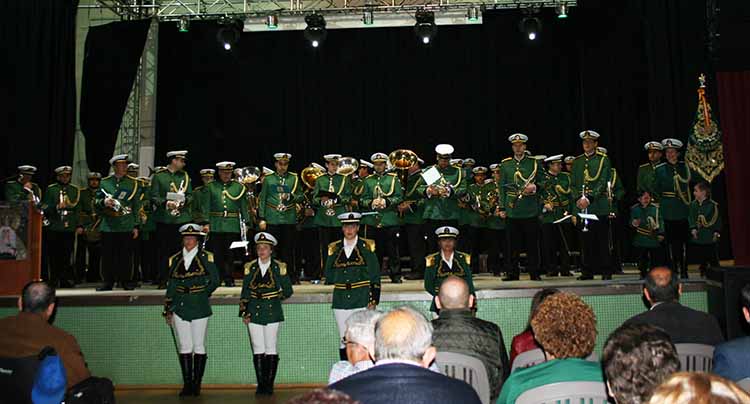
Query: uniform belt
[276,207]
[189,290]
[349,286]
[644,232]
[269,295]
[224,214]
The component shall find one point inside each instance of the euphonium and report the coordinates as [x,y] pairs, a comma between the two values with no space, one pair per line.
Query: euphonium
[311,173]
[402,160]
[347,166]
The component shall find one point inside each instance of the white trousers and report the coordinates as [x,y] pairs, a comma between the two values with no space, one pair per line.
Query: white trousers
[341,316]
[263,338]
[191,335]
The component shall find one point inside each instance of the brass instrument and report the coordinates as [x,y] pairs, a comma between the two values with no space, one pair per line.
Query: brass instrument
[585,211]
[378,202]
[179,202]
[37,205]
[62,200]
[347,166]
[402,160]
[124,210]
[311,173]
[248,176]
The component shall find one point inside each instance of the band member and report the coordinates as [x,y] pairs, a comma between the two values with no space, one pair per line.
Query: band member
[170,194]
[519,204]
[352,267]
[470,220]
[705,227]
[60,206]
[649,233]
[310,250]
[277,210]
[673,185]
[555,197]
[21,188]
[411,210]
[264,286]
[193,277]
[358,182]
[445,263]
[382,194]
[569,163]
[91,239]
[494,227]
[118,202]
[224,205]
[647,172]
[615,194]
[589,178]
[468,166]
[146,235]
[441,197]
[332,197]
[200,195]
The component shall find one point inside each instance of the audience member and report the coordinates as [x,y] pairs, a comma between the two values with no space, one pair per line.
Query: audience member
[698,388]
[636,359]
[662,289]
[28,332]
[403,351]
[458,331]
[359,341]
[525,341]
[732,359]
[323,396]
[565,327]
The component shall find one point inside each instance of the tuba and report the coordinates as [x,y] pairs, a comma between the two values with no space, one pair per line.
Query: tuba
[311,173]
[347,166]
[402,160]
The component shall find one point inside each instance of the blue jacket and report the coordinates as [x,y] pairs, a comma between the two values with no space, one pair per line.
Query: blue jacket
[732,359]
[401,383]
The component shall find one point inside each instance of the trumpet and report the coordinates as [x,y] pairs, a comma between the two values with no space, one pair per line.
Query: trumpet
[117,207]
[37,205]
[378,203]
[585,211]
[63,212]
[179,200]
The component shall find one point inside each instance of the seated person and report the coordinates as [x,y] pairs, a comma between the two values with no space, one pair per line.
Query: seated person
[359,341]
[636,359]
[525,341]
[698,388]
[457,330]
[565,327]
[732,359]
[684,325]
[26,333]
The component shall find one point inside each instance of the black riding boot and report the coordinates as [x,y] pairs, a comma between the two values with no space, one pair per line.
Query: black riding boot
[259,363]
[199,364]
[272,364]
[186,365]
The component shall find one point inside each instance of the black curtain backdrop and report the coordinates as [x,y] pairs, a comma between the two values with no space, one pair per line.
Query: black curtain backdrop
[113,53]
[37,58]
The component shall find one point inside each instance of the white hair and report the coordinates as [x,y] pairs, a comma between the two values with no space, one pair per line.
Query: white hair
[360,328]
[411,343]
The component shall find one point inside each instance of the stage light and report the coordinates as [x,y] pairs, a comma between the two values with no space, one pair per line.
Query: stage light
[562,10]
[368,18]
[272,21]
[183,25]
[228,33]
[425,28]
[472,13]
[316,29]
[531,27]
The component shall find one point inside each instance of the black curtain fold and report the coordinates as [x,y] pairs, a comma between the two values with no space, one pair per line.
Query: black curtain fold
[37,58]
[112,56]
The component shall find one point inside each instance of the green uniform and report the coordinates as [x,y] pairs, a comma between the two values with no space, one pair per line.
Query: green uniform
[593,172]
[388,187]
[222,204]
[88,214]
[490,200]
[188,291]
[356,279]
[437,270]
[358,187]
[618,189]
[651,225]
[64,220]
[165,181]
[515,174]
[14,191]
[415,199]
[436,208]
[704,217]
[647,181]
[262,294]
[673,186]
[470,205]
[339,185]
[146,215]
[128,191]
[270,206]
[555,190]
[199,200]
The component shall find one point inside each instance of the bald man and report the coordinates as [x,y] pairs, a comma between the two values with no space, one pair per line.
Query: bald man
[403,352]
[662,289]
[458,330]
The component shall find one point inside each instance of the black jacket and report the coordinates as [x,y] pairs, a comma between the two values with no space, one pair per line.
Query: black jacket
[459,331]
[683,324]
[397,383]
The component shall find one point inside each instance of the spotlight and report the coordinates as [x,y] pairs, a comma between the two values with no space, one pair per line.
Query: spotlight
[531,27]
[183,25]
[272,21]
[472,13]
[368,18]
[316,29]
[562,10]
[229,33]
[425,28]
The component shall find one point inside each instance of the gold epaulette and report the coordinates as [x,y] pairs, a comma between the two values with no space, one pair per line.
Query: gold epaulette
[392,174]
[171,259]
[644,165]
[332,247]
[467,256]
[282,267]
[209,255]
[430,260]
[579,156]
[506,159]
[53,185]
[370,244]
[248,265]
[161,170]
[660,164]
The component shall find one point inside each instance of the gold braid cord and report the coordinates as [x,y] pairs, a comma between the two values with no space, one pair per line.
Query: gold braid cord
[705,223]
[705,153]
[678,180]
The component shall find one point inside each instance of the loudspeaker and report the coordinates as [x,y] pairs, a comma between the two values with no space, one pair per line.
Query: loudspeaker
[723,286]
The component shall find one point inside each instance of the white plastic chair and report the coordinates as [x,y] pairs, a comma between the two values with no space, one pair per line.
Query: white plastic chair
[566,393]
[468,369]
[695,357]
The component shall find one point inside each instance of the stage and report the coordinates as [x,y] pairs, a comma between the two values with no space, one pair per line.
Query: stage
[124,337]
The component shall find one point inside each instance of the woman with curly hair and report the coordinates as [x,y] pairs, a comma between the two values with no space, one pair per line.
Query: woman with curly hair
[565,328]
